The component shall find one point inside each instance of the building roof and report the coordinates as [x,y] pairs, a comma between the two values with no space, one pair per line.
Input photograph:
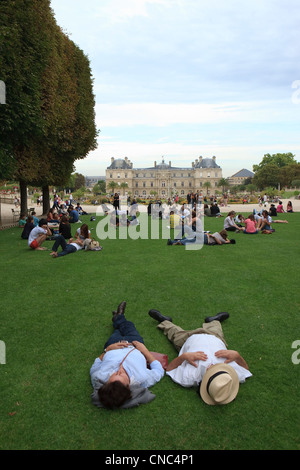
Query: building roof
[119,164]
[207,163]
[243,174]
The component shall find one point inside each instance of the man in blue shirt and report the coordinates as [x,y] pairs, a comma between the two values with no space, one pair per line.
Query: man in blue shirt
[73,215]
[123,363]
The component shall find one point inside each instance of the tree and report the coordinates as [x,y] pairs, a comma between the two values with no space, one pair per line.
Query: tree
[268,175]
[124,186]
[102,186]
[112,185]
[289,173]
[223,182]
[207,185]
[25,47]
[49,119]
[278,159]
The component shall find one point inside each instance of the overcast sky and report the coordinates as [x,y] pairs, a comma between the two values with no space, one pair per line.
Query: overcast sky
[176,79]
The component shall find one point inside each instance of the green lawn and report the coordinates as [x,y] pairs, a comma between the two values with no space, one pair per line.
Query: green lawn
[56,316]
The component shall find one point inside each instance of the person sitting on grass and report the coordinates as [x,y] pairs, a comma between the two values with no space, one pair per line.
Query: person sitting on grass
[229,223]
[73,215]
[38,235]
[27,228]
[250,225]
[280,209]
[204,360]
[289,207]
[83,232]
[265,221]
[22,220]
[125,369]
[65,228]
[67,248]
[239,220]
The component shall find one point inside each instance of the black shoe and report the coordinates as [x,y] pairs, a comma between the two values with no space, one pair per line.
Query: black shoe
[158,316]
[121,308]
[219,317]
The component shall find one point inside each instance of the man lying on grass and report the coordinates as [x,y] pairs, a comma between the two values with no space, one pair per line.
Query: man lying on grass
[204,360]
[120,375]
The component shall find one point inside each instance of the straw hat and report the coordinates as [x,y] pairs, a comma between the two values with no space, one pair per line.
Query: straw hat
[219,385]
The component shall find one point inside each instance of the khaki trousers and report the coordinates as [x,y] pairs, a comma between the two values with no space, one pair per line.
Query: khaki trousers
[178,336]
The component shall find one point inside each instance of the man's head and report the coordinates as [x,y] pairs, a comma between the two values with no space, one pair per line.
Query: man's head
[114,394]
[42,222]
[219,385]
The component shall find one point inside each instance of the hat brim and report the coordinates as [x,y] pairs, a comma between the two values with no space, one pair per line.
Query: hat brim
[209,373]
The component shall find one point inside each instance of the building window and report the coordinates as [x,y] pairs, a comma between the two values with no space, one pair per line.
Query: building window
[136,185]
[163,184]
[144,193]
[151,184]
[182,183]
[174,185]
[144,185]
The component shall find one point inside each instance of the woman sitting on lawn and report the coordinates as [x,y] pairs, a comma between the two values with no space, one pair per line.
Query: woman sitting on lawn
[250,225]
[229,223]
[83,232]
[289,207]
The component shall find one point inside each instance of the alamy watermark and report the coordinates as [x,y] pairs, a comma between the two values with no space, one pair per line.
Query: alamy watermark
[296,94]
[2,353]
[296,354]
[2,92]
[181,221]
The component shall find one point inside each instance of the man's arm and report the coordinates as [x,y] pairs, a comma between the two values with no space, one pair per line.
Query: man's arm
[191,357]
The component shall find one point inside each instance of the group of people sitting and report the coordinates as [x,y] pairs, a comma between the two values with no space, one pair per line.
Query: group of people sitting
[57,227]
[256,222]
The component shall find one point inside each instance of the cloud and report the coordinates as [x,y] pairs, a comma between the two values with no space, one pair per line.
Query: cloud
[160,114]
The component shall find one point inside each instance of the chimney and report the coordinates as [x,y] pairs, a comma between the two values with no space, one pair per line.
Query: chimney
[170,164]
[112,159]
[154,164]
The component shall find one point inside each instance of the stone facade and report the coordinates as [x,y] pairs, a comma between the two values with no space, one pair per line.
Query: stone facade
[163,180]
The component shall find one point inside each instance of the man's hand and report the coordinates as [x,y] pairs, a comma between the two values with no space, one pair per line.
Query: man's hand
[118,345]
[231,356]
[191,357]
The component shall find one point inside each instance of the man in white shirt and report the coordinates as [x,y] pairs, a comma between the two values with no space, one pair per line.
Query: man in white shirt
[204,360]
[38,235]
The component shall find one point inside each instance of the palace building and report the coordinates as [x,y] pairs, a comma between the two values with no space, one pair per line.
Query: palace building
[163,179]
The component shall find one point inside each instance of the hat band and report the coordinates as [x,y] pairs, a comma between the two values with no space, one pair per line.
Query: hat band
[213,377]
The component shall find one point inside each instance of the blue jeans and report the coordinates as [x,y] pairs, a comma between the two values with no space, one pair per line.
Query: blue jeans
[66,247]
[124,330]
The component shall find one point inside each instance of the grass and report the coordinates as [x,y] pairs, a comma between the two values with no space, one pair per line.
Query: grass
[56,317]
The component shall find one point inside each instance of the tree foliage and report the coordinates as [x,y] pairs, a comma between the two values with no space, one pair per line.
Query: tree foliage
[279,168]
[48,121]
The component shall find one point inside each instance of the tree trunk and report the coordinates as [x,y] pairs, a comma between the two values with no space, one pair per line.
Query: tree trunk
[23,196]
[46,200]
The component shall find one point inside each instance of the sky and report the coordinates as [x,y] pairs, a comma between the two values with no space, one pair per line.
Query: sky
[180,79]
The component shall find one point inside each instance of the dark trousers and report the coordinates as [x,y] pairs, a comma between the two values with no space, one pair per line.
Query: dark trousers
[66,247]
[124,331]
